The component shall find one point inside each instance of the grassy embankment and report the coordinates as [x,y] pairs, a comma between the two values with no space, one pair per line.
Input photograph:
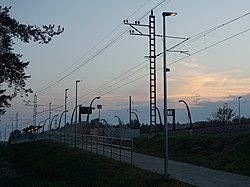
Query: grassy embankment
[43,164]
[228,152]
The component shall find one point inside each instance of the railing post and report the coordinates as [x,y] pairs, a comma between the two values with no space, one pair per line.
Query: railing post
[103,145]
[111,151]
[132,151]
[82,141]
[97,144]
[120,149]
[86,142]
[91,143]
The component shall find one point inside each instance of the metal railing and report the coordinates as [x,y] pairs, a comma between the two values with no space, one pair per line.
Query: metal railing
[116,148]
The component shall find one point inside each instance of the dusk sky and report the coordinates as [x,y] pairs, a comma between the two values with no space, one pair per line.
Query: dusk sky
[97,48]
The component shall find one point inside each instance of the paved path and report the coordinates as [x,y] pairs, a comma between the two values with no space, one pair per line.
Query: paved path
[192,174]
[195,175]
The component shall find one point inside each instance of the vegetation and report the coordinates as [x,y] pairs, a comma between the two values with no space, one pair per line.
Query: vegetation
[12,68]
[49,164]
[229,152]
[223,115]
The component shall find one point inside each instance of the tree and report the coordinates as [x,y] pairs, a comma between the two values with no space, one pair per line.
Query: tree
[14,135]
[11,67]
[223,115]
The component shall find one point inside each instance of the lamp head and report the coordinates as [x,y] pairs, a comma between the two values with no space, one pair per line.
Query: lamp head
[98,97]
[169,14]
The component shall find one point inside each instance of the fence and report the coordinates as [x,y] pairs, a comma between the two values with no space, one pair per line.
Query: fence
[116,148]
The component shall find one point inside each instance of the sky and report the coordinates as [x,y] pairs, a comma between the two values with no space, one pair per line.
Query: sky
[96,47]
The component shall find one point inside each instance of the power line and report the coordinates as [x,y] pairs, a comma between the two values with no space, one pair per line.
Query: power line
[96,54]
[210,46]
[195,36]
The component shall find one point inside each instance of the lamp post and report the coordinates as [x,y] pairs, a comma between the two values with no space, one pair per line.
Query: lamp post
[61,119]
[137,118]
[77,81]
[164,15]
[51,124]
[71,121]
[91,106]
[239,107]
[159,114]
[99,107]
[44,123]
[50,111]
[119,120]
[189,114]
[52,121]
[65,105]
[39,125]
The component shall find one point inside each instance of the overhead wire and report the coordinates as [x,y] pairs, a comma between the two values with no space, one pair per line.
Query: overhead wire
[192,38]
[196,52]
[47,86]
[195,37]
[96,54]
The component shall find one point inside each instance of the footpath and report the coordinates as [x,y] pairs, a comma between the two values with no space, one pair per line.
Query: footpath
[195,175]
[192,174]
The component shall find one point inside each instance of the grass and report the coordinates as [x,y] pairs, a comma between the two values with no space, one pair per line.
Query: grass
[228,152]
[42,164]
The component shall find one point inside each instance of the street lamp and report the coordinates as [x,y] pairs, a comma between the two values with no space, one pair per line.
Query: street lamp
[50,111]
[44,123]
[189,114]
[39,125]
[51,124]
[61,118]
[52,121]
[77,81]
[65,105]
[75,109]
[239,107]
[159,114]
[119,119]
[164,14]
[137,118]
[90,107]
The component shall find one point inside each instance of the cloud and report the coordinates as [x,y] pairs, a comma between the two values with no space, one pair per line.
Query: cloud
[198,86]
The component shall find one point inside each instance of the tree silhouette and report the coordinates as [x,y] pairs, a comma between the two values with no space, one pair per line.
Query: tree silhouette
[11,67]
[222,115]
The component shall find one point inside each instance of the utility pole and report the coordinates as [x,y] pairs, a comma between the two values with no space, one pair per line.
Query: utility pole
[50,112]
[130,109]
[239,107]
[65,105]
[152,63]
[34,110]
